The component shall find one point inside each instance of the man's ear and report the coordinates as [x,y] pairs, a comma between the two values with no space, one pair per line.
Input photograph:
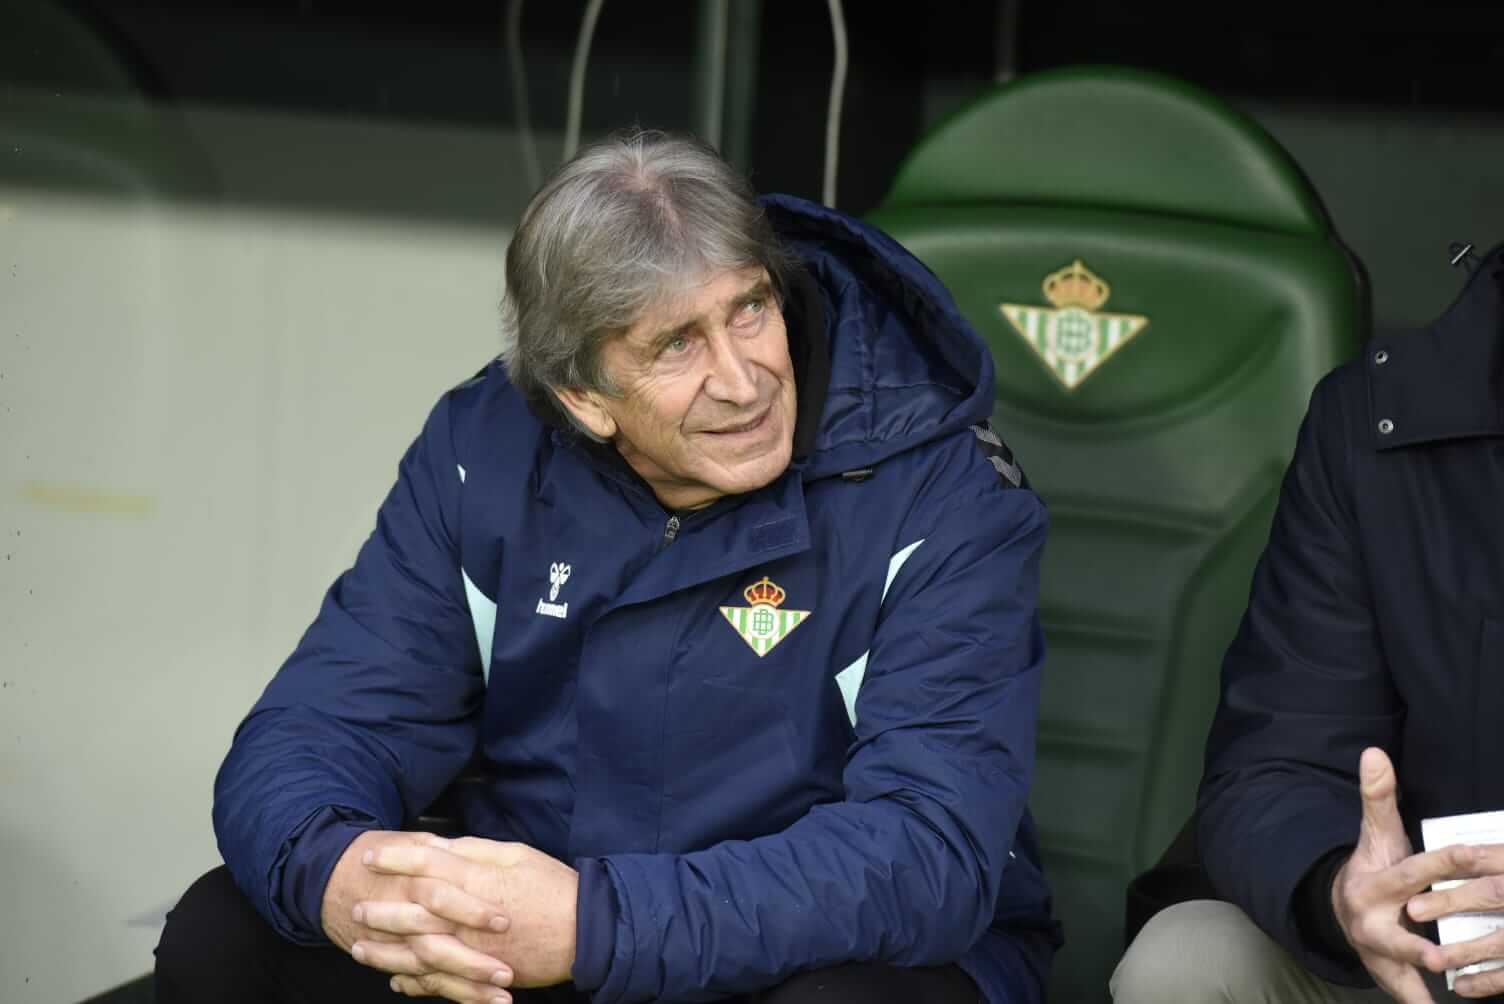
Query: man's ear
[589,409]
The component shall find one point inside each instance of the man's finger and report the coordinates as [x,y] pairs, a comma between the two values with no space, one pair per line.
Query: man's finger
[1403,983]
[448,901]
[400,918]
[1409,949]
[1481,894]
[416,860]
[1480,984]
[408,986]
[481,850]
[1465,953]
[388,956]
[1417,873]
[1383,834]
[452,987]
[443,953]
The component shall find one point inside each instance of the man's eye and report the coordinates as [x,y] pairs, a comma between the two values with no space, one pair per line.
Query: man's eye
[676,346]
[751,309]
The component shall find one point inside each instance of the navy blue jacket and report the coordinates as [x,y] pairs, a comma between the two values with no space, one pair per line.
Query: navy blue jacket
[1376,619]
[856,789]
[793,729]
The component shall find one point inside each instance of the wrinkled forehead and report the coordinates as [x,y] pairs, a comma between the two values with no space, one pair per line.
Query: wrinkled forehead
[695,297]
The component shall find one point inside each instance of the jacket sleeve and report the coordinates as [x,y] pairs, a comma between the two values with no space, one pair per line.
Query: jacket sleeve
[1305,688]
[907,868]
[372,714]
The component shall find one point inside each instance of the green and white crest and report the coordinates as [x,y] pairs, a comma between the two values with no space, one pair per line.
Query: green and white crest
[762,624]
[1075,337]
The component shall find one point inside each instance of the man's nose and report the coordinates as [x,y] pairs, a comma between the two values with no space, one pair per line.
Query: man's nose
[733,376]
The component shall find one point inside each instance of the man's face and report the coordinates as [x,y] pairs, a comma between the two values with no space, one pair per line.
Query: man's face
[708,403]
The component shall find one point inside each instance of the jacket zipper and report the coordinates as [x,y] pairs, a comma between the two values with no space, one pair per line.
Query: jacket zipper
[670,531]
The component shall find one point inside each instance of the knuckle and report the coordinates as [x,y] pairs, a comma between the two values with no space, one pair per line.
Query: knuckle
[1369,929]
[424,948]
[444,898]
[429,895]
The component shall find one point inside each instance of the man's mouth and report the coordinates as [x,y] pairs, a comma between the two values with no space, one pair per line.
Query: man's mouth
[751,425]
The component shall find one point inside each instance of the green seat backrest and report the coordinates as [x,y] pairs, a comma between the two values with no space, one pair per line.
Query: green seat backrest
[1153,399]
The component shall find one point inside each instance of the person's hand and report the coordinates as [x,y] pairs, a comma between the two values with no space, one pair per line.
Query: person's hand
[1482,894]
[1374,884]
[421,916]
[537,893]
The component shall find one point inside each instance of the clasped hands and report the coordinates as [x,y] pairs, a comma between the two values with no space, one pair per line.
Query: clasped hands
[1381,893]
[464,919]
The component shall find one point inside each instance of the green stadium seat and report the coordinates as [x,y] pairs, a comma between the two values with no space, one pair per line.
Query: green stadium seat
[1161,288]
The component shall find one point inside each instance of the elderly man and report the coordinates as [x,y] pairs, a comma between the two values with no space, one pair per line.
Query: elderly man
[725,581]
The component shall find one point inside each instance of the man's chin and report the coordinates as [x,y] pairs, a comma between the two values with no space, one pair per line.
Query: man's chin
[755,474]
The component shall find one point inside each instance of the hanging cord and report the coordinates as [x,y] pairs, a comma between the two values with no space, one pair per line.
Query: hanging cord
[519,94]
[577,78]
[833,112]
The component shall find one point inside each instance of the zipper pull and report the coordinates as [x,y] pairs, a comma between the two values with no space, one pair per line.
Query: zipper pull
[670,530]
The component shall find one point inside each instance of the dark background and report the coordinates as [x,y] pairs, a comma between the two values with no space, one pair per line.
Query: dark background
[443,62]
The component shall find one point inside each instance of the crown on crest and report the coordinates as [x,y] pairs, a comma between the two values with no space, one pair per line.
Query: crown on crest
[764,590]
[1076,286]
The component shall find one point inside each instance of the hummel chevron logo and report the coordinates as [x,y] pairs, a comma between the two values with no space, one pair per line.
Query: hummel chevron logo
[558,574]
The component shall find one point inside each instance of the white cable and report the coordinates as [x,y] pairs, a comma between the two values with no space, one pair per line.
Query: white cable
[833,113]
[715,99]
[519,94]
[577,78]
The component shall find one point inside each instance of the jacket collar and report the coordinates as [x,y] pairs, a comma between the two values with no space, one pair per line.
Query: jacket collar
[1445,381]
[809,349]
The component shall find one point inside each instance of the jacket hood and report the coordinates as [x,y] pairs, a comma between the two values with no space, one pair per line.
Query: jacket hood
[905,366]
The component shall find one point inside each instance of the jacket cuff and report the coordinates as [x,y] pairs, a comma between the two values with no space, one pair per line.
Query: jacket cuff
[1270,892]
[595,925]
[306,862]
[1314,916]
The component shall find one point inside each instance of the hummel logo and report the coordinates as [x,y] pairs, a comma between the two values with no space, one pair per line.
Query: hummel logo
[558,574]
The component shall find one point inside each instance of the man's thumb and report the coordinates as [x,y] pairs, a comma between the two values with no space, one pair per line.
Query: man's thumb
[1381,811]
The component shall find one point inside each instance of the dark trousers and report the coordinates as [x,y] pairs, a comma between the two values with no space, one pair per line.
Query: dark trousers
[217,948]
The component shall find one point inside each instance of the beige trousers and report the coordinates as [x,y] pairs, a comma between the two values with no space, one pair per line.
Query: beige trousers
[1208,951]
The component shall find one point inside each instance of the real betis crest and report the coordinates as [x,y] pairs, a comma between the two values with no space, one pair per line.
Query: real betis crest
[1076,337]
[761,624]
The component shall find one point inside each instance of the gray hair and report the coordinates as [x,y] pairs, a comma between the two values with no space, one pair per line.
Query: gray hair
[626,224]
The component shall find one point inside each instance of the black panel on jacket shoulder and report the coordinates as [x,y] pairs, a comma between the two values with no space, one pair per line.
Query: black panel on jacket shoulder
[998,455]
